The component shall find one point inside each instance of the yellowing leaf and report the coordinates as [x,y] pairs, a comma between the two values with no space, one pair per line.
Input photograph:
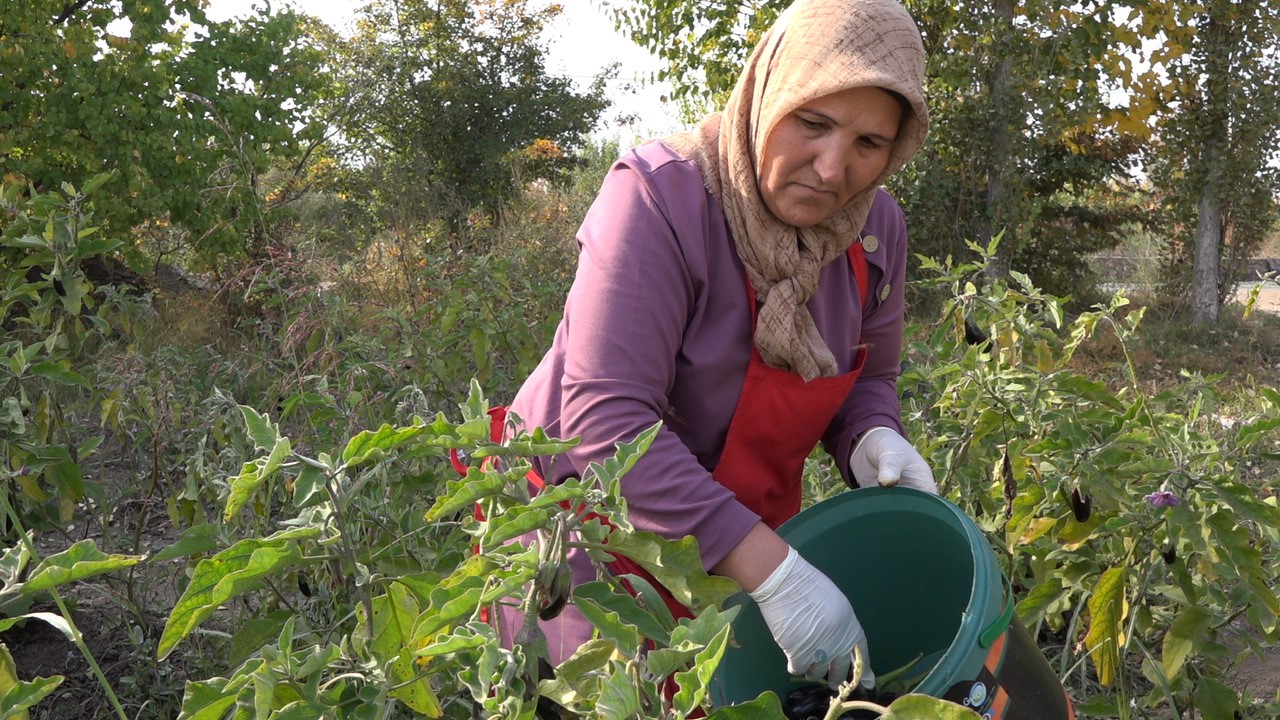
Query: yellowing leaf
[1036,529]
[81,560]
[252,476]
[16,696]
[923,707]
[1107,611]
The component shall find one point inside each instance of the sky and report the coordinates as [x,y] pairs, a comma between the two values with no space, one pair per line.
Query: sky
[580,43]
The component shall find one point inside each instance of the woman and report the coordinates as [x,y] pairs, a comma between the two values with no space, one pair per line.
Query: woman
[743,283]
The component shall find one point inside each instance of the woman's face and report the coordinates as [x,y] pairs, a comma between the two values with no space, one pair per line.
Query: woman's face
[826,151]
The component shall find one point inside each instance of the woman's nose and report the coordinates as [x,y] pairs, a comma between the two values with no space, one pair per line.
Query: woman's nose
[831,163]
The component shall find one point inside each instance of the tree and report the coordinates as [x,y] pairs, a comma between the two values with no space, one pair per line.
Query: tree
[457,104]
[1215,153]
[187,112]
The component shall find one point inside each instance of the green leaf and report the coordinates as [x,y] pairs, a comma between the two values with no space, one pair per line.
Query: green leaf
[253,633]
[197,539]
[517,521]
[676,565]
[628,454]
[59,371]
[462,593]
[1255,431]
[308,485]
[252,476]
[15,695]
[923,707]
[1044,594]
[264,692]
[1183,637]
[263,432]
[394,617]
[1245,502]
[208,699]
[57,621]
[765,707]
[92,184]
[1216,701]
[13,561]
[234,571]
[452,643]
[77,562]
[23,695]
[619,698]
[464,493]
[538,443]
[1107,610]
[693,683]
[371,445]
[302,710]
[616,616]
[587,660]
[1264,594]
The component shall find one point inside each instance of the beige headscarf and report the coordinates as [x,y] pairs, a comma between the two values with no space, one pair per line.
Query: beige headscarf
[816,48]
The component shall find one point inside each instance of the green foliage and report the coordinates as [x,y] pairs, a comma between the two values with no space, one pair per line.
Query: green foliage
[390,616]
[53,323]
[1164,551]
[451,106]
[704,44]
[161,112]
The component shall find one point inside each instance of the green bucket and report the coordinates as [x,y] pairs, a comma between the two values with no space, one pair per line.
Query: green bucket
[928,591]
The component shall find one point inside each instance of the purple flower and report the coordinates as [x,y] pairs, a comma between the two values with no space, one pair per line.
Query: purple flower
[1164,498]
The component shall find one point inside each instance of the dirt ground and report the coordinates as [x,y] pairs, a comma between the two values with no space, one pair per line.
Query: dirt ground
[1268,299]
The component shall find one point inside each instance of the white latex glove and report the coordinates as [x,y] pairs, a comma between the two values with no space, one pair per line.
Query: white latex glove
[885,456]
[813,622]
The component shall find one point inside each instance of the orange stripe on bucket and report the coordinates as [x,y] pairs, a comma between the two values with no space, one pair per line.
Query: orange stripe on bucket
[996,654]
[992,664]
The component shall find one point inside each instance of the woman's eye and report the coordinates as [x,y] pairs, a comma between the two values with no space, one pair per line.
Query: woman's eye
[810,124]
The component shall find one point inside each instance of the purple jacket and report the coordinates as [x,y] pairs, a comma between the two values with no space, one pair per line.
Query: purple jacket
[657,327]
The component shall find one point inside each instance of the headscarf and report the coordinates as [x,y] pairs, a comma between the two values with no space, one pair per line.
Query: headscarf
[816,48]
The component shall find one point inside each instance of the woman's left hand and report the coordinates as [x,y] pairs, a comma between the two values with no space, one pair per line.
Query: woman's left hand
[885,457]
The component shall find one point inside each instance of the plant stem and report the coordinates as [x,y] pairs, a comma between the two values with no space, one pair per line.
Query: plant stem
[838,709]
[76,637]
[348,551]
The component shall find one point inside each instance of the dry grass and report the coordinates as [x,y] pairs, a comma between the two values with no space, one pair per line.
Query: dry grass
[1245,351]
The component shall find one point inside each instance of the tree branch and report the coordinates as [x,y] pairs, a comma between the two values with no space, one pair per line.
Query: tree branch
[68,10]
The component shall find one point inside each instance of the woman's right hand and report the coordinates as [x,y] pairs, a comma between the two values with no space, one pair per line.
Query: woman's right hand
[813,622]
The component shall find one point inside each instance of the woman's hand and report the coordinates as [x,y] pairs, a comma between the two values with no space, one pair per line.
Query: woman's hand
[809,617]
[885,457]
[813,622]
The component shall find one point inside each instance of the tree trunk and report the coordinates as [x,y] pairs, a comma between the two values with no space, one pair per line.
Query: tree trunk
[1205,300]
[1220,41]
[1003,106]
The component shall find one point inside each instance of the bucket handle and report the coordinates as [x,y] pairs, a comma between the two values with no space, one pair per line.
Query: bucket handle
[997,628]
